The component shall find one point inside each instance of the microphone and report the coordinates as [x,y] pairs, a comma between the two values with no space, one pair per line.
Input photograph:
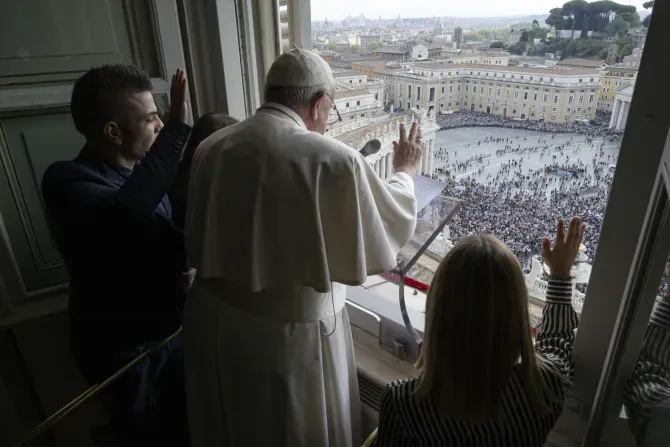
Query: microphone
[371,147]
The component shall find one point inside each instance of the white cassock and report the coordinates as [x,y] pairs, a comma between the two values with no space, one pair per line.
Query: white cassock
[279,220]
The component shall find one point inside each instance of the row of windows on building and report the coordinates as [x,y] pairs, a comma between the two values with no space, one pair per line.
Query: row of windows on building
[525,106]
[358,102]
[522,115]
[495,75]
[545,97]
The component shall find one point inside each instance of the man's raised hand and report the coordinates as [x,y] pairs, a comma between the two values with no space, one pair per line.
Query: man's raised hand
[178,108]
[407,150]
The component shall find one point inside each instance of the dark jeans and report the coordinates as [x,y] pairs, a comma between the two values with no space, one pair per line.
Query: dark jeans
[158,377]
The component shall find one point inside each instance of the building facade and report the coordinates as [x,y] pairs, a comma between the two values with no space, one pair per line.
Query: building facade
[582,63]
[358,101]
[393,52]
[357,98]
[518,92]
[633,60]
[368,40]
[612,78]
[612,54]
[638,36]
[418,52]
[368,68]
[487,58]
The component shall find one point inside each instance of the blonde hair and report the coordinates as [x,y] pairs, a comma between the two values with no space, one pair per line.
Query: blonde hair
[477,330]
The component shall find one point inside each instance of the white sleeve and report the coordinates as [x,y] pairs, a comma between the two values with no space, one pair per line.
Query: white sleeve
[395,202]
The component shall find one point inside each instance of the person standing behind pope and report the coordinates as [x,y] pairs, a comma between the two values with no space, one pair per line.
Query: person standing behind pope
[280,219]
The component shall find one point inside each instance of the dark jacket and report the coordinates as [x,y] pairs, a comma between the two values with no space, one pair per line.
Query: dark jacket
[114,231]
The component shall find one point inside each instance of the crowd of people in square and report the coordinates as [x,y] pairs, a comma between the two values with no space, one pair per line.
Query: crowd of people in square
[518,205]
[478,119]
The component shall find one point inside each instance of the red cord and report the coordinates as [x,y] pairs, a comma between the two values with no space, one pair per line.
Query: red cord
[408,281]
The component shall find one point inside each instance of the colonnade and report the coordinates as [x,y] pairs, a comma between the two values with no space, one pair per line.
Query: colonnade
[619,114]
[384,165]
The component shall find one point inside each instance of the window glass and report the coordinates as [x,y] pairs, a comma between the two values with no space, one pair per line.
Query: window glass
[514,169]
[646,394]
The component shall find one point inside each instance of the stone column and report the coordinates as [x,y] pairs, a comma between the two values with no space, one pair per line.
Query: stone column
[431,160]
[625,115]
[429,157]
[382,168]
[424,157]
[389,165]
[615,113]
[421,162]
[622,112]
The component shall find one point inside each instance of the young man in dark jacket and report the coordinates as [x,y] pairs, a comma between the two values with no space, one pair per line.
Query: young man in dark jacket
[111,219]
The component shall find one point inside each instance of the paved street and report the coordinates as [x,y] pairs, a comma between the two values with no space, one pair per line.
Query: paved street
[459,145]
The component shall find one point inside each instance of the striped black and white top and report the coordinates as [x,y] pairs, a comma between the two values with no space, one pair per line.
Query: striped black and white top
[405,421]
[649,384]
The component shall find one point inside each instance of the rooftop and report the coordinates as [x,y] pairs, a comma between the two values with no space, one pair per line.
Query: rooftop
[582,62]
[340,64]
[626,89]
[433,45]
[535,70]
[342,93]
[615,69]
[346,73]
[353,137]
[391,50]
[495,53]
[370,63]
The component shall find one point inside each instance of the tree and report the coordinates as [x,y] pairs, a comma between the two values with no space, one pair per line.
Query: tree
[625,45]
[555,19]
[535,24]
[330,45]
[601,12]
[517,48]
[376,46]
[576,10]
[354,48]
[647,5]
[617,27]
[497,44]
[596,16]
[631,18]
[537,50]
[524,36]
[537,33]
[626,50]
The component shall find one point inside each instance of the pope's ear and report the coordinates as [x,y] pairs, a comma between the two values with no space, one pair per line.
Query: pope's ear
[317,104]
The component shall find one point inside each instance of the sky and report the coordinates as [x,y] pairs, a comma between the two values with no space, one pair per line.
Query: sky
[339,9]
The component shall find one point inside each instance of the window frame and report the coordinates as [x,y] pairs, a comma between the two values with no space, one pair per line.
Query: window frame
[607,344]
[610,296]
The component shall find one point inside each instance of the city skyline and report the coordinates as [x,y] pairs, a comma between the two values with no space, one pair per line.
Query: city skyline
[390,9]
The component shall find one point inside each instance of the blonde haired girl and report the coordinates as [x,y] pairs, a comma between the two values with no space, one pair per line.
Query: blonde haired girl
[483,382]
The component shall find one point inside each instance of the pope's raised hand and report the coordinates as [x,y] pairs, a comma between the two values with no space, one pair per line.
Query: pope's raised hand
[407,150]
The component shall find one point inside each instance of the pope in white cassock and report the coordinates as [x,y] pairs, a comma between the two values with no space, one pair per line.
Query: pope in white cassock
[280,218]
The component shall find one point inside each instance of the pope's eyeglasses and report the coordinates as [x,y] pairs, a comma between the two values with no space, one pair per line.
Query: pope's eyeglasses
[339,117]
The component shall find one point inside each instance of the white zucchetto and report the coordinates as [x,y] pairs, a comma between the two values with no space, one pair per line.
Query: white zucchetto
[299,68]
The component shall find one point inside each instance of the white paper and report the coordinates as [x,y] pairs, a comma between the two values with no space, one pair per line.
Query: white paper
[425,190]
